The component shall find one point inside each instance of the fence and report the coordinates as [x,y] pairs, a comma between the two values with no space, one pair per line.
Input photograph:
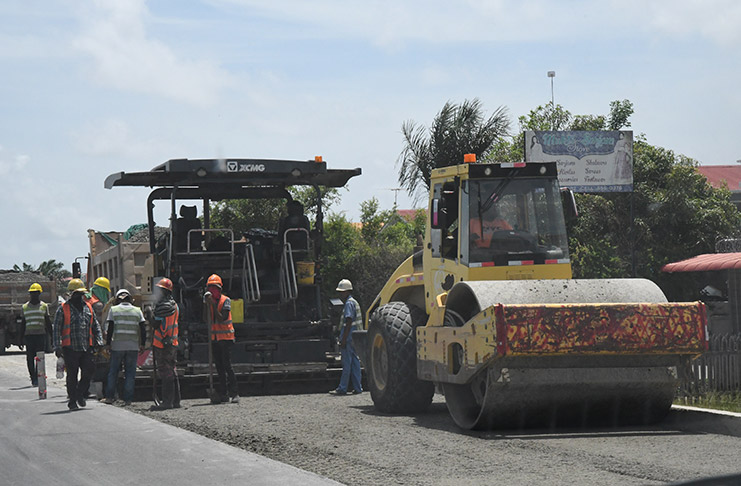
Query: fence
[717,370]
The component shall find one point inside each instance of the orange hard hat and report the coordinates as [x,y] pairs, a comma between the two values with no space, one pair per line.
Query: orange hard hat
[165,283]
[214,280]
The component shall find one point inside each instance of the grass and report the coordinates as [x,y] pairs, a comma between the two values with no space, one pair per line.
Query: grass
[730,402]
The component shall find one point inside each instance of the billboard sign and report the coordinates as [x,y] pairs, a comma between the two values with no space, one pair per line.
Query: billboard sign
[588,161]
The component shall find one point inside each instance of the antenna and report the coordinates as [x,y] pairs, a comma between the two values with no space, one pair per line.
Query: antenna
[396,192]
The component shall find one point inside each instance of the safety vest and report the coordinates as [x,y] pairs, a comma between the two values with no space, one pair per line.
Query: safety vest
[126,320]
[357,323]
[222,330]
[474,227]
[34,315]
[66,328]
[170,329]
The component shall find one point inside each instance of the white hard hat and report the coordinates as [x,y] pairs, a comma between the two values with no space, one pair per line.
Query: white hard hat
[344,285]
[122,293]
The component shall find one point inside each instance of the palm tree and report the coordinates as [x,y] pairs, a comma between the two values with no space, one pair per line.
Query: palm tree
[456,130]
[53,269]
[50,268]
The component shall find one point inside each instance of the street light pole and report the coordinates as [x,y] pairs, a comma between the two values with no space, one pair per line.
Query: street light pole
[552,74]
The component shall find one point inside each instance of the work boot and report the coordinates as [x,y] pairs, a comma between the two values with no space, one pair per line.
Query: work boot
[168,392]
[234,399]
[81,401]
[160,407]
[72,405]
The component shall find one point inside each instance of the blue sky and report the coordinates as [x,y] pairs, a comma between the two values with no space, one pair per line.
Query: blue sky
[92,87]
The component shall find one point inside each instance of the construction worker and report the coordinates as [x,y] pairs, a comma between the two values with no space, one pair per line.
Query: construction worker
[351,319]
[126,335]
[76,333]
[165,343]
[99,298]
[35,327]
[218,309]
[482,229]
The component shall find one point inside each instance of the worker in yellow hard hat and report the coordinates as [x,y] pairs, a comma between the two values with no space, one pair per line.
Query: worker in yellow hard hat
[35,327]
[99,298]
[76,334]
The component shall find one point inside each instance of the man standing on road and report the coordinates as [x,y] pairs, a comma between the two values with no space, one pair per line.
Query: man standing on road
[35,327]
[165,344]
[126,334]
[76,333]
[98,298]
[352,319]
[219,313]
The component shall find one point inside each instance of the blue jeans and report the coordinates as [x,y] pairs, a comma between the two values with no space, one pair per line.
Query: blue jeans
[350,369]
[129,362]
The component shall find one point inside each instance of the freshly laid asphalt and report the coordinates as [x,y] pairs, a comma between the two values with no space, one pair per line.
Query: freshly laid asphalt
[42,442]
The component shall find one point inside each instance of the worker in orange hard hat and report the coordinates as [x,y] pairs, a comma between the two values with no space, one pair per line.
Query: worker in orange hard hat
[35,327]
[165,344]
[218,311]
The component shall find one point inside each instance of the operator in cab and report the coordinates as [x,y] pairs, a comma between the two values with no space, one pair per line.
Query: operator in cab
[482,229]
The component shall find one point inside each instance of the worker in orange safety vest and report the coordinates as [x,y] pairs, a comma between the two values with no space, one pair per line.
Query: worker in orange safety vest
[218,311]
[165,344]
[76,335]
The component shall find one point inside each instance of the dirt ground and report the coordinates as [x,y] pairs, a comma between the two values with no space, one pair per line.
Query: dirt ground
[345,439]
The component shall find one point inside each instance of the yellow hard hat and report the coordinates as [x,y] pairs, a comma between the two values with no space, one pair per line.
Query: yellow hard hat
[103,282]
[35,287]
[76,285]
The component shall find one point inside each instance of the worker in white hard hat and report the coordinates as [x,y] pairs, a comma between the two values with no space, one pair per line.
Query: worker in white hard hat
[126,335]
[352,318]
[35,327]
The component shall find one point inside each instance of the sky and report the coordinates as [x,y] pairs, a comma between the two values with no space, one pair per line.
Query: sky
[93,87]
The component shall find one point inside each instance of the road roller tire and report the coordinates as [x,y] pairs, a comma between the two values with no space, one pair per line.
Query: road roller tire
[392,360]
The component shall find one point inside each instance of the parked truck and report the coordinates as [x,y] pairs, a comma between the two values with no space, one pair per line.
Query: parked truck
[489,314]
[272,275]
[14,287]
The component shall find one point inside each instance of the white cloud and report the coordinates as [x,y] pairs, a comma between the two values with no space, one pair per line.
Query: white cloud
[11,163]
[718,20]
[114,137]
[391,22]
[128,58]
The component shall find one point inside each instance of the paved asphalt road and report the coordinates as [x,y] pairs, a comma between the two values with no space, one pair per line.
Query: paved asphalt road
[44,443]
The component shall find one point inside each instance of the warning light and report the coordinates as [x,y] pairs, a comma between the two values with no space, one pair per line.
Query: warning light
[318,158]
[469,158]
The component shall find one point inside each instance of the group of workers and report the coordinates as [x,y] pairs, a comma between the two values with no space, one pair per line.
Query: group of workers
[79,329]
[77,334]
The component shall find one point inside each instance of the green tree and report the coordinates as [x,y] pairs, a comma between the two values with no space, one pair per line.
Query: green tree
[456,130]
[51,269]
[243,214]
[548,117]
[369,252]
[676,213]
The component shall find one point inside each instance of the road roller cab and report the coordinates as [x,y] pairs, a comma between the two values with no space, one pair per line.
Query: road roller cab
[489,313]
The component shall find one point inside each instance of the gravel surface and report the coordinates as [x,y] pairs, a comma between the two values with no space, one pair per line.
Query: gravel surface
[343,438]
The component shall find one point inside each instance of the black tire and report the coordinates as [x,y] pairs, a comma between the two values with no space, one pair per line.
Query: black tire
[392,360]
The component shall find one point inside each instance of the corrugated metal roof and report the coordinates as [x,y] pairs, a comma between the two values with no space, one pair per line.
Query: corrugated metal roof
[706,262]
[718,174]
